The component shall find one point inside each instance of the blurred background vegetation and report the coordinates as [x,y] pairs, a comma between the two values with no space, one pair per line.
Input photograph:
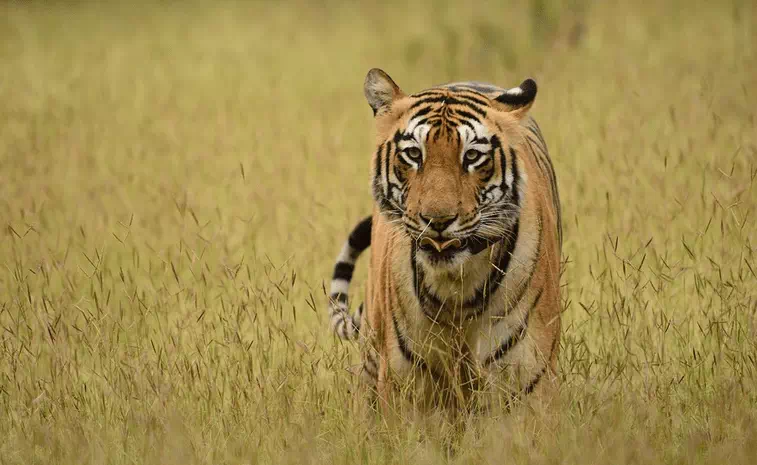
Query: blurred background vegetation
[177,177]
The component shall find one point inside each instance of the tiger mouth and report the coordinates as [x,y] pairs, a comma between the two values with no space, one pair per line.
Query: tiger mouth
[429,244]
[441,250]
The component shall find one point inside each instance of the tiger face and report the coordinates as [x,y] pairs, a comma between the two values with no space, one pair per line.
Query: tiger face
[445,168]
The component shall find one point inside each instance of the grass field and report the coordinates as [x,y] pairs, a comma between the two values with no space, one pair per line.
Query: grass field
[176,179]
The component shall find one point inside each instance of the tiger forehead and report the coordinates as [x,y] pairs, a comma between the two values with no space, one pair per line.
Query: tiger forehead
[447,113]
[454,95]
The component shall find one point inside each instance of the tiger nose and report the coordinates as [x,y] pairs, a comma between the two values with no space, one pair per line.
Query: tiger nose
[438,223]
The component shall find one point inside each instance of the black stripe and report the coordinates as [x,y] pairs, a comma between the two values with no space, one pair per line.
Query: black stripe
[516,336]
[516,176]
[539,140]
[536,130]
[339,297]
[532,385]
[552,346]
[549,170]
[550,174]
[393,187]
[343,270]
[370,366]
[527,283]
[467,123]
[385,205]
[404,349]
[539,160]
[414,266]
[425,120]
[430,92]
[399,172]
[474,97]
[360,237]
[462,92]
[508,344]
[489,189]
[431,306]
[433,121]
[486,176]
[386,165]
[378,189]
[530,388]
[379,151]
[495,142]
[373,374]
[467,100]
[466,164]
[480,301]
[497,147]
[426,298]
[544,152]
[536,301]
[450,100]
[465,114]
[556,193]
[422,112]
[503,168]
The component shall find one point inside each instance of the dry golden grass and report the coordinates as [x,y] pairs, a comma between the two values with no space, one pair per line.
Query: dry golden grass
[176,179]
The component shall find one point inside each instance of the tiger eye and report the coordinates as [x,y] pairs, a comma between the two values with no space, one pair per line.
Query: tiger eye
[473,155]
[414,153]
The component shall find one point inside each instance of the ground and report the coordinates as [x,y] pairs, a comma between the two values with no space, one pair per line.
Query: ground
[176,180]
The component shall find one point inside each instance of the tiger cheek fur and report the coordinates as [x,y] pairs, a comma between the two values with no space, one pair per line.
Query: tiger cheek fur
[462,308]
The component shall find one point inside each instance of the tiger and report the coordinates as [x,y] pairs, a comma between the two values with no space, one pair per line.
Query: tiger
[462,303]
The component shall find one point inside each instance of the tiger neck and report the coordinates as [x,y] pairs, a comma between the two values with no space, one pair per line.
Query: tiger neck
[458,295]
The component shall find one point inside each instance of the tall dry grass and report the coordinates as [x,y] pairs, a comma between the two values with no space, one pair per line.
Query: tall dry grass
[176,179]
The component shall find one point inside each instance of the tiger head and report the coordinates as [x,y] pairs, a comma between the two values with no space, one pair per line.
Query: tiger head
[445,166]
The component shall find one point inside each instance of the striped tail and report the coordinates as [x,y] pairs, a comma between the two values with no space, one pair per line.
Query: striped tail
[344,324]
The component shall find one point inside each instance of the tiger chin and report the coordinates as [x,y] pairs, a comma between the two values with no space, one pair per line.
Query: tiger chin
[462,305]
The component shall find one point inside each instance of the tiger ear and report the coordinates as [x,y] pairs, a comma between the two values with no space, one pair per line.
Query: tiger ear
[518,100]
[380,90]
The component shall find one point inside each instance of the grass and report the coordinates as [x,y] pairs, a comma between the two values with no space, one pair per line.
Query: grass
[176,179]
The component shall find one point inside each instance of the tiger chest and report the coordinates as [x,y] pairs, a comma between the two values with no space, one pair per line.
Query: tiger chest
[455,362]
